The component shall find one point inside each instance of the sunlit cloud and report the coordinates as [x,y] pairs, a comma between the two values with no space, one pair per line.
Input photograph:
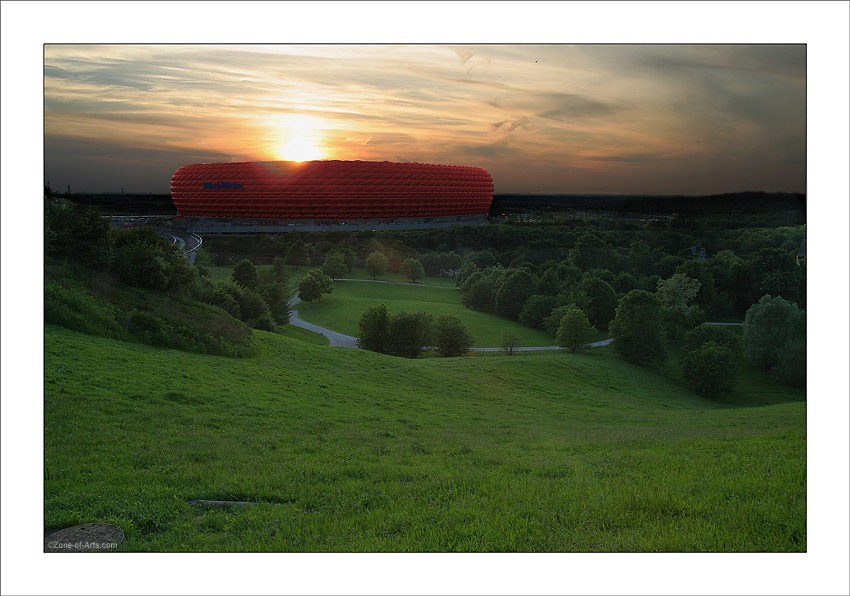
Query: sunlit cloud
[548,118]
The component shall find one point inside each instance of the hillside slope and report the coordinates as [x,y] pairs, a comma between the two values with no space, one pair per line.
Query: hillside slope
[354,451]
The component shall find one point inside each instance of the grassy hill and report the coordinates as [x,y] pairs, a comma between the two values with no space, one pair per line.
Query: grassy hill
[347,450]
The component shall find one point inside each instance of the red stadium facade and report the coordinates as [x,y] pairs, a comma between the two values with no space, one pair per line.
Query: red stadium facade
[330,190]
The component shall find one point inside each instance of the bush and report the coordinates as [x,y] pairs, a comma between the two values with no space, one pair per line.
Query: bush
[575,330]
[263,323]
[451,336]
[374,329]
[710,369]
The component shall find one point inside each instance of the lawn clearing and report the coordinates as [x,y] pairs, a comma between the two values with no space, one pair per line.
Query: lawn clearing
[341,311]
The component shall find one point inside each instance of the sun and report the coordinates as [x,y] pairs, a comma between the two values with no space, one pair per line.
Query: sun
[300,149]
[299,140]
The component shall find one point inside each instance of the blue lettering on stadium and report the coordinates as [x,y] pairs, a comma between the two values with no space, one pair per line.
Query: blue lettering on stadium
[211,185]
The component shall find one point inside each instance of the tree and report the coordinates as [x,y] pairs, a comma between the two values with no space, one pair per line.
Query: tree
[637,328]
[768,325]
[536,309]
[553,320]
[298,254]
[409,333]
[675,295]
[376,264]
[591,252]
[374,329]
[245,274]
[279,268]
[512,293]
[574,331]
[277,298]
[598,300]
[412,269]
[314,285]
[549,284]
[334,265]
[510,342]
[451,336]
[481,292]
[710,369]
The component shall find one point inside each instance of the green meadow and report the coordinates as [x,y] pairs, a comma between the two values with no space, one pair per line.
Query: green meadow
[346,450]
[341,311]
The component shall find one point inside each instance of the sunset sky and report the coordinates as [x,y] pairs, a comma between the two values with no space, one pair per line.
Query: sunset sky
[552,118]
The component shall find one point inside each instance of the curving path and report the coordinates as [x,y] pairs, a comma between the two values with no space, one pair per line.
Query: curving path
[335,339]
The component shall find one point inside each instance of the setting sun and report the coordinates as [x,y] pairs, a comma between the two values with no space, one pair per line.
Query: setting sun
[300,140]
[301,149]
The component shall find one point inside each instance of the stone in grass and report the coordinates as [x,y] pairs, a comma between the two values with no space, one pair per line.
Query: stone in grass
[85,538]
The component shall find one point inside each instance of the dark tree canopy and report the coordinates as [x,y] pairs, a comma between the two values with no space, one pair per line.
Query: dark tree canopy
[637,328]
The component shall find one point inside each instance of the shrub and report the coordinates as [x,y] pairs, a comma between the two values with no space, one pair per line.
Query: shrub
[451,336]
[263,323]
[710,369]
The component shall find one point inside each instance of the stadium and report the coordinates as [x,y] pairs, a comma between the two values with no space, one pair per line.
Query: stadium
[332,192]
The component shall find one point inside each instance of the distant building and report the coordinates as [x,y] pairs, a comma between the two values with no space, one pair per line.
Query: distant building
[330,190]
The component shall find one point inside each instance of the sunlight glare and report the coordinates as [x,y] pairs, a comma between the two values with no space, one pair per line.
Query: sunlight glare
[301,140]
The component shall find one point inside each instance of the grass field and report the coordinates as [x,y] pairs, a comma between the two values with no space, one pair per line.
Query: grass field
[341,311]
[347,450]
